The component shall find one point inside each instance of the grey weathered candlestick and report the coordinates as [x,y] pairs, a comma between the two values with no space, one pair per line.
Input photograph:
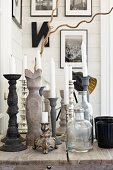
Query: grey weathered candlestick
[13,143]
[62,129]
[53,118]
[33,105]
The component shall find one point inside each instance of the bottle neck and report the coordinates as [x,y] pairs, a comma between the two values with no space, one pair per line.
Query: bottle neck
[79,116]
[82,96]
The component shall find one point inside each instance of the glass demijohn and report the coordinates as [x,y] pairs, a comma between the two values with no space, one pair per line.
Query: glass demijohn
[79,132]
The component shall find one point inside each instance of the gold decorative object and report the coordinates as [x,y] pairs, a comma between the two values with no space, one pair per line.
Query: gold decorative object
[45,142]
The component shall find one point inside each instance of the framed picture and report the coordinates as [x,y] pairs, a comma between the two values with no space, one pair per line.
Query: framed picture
[71,41]
[78,8]
[43,7]
[17,12]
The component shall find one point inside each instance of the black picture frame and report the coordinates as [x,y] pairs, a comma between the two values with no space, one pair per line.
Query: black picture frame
[69,47]
[78,10]
[42,11]
[17,12]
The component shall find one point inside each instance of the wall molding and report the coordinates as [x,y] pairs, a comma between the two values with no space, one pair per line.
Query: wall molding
[106,59]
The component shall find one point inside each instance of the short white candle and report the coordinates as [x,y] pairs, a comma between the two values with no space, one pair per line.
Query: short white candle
[70,72]
[44,117]
[12,65]
[52,82]
[66,85]
[84,63]
[38,60]
[24,66]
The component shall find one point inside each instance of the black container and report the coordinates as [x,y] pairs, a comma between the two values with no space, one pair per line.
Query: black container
[102,118]
[105,134]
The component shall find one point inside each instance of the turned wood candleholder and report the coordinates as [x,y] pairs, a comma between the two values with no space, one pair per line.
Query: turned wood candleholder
[12,143]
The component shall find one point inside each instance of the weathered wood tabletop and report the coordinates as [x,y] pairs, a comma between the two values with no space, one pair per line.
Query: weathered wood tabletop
[33,160]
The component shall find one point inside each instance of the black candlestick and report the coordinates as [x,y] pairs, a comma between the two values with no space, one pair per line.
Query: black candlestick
[13,143]
[53,119]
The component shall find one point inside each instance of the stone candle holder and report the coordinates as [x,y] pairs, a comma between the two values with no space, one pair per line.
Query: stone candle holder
[33,105]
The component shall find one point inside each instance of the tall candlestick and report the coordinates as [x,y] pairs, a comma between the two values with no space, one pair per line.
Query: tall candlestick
[84,63]
[12,65]
[70,72]
[44,117]
[66,85]
[52,88]
[24,66]
[38,61]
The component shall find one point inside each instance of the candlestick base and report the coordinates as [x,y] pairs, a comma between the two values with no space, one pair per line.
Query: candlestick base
[13,145]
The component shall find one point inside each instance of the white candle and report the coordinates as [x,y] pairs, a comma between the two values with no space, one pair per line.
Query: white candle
[70,72]
[44,117]
[38,61]
[12,65]
[52,82]
[84,63]
[24,66]
[66,85]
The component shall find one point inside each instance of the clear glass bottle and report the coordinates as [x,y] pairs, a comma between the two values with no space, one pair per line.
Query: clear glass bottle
[88,110]
[79,132]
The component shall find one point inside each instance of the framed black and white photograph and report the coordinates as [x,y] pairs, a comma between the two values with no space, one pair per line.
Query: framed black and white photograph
[43,7]
[17,12]
[78,7]
[71,47]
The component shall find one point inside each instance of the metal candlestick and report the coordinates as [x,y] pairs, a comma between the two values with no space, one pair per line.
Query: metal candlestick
[13,143]
[53,119]
[45,142]
[23,123]
[85,83]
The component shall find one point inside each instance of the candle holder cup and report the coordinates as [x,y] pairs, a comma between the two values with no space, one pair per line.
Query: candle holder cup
[53,119]
[13,143]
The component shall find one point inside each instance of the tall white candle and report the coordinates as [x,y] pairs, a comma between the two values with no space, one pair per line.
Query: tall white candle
[84,63]
[24,66]
[70,72]
[38,60]
[66,85]
[44,117]
[12,65]
[52,86]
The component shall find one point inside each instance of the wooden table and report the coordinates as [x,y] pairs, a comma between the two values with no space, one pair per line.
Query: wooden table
[96,159]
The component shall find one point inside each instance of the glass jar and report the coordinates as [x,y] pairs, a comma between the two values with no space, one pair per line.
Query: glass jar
[79,132]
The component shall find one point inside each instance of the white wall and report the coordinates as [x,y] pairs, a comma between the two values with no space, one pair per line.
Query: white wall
[54,50]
